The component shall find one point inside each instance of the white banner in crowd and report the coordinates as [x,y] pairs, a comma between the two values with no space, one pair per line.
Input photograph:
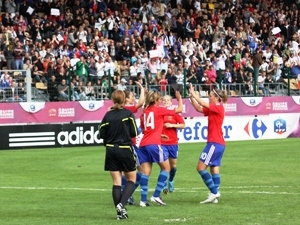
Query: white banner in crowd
[55,12]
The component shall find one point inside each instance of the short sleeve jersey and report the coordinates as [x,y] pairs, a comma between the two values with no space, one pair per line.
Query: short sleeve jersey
[171,133]
[152,122]
[215,114]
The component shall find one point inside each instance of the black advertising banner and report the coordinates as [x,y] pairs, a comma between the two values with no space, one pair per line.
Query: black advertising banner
[48,135]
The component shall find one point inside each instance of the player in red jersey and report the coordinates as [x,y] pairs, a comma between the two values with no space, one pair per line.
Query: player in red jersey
[170,141]
[131,104]
[151,151]
[212,154]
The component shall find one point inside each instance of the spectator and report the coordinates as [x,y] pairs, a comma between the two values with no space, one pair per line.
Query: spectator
[82,69]
[133,70]
[38,75]
[52,89]
[62,88]
[124,69]
[256,62]
[261,83]
[9,56]
[89,91]
[121,86]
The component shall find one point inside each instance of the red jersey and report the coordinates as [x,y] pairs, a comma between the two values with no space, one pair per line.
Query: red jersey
[171,133]
[152,122]
[215,114]
[133,109]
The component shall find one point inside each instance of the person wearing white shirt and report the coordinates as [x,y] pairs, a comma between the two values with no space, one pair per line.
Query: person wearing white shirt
[264,66]
[144,59]
[140,67]
[261,83]
[102,46]
[110,67]
[180,77]
[100,65]
[267,53]
[133,69]
[111,23]
[82,35]
[187,58]
[121,86]
[221,61]
[183,48]
[43,51]
[164,64]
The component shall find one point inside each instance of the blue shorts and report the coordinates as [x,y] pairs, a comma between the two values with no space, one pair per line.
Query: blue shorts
[212,154]
[152,153]
[172,150]
[135,150]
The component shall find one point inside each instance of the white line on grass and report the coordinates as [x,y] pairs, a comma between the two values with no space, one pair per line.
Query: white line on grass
[186,190]
[175,220]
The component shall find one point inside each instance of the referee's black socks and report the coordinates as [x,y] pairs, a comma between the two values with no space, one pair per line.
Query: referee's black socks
[116,194]
[127,192]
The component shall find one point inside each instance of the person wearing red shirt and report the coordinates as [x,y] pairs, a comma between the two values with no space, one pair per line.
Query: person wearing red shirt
[212,154]
[151,151]
[133,107]
[169,140]
[163,84]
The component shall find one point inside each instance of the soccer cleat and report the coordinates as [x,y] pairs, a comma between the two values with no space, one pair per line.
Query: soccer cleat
[218,195]
[212,198]
[158,200]
[121,212]
[144,204]
[130,201]
[215,201]
[171,186]
[119,217]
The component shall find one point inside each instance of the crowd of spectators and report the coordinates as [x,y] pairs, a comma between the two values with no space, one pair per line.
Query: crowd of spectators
[87,44]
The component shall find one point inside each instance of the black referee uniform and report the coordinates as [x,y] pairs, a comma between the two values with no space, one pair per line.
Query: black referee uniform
[116,129]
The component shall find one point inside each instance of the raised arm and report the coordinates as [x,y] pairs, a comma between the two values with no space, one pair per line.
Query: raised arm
[180,104]
[196,98]
[142,96]
[195,104]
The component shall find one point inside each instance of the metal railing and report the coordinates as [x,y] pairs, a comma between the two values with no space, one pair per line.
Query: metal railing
[20,94]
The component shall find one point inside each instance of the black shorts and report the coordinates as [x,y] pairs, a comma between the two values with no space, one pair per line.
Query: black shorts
[119,158]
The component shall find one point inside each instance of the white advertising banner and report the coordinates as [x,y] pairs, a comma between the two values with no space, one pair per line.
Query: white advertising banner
[237,128]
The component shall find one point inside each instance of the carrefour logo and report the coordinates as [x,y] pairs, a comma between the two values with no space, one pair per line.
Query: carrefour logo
[255,128]
[279,126]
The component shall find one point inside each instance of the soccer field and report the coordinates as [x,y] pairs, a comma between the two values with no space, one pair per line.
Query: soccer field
[68,186]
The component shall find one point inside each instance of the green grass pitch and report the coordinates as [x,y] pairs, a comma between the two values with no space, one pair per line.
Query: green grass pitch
[68,186]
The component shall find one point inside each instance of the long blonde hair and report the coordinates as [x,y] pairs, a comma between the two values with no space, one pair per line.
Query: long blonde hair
[151,98]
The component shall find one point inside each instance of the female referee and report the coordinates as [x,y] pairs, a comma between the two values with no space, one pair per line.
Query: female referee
[212,154]
[116,129]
